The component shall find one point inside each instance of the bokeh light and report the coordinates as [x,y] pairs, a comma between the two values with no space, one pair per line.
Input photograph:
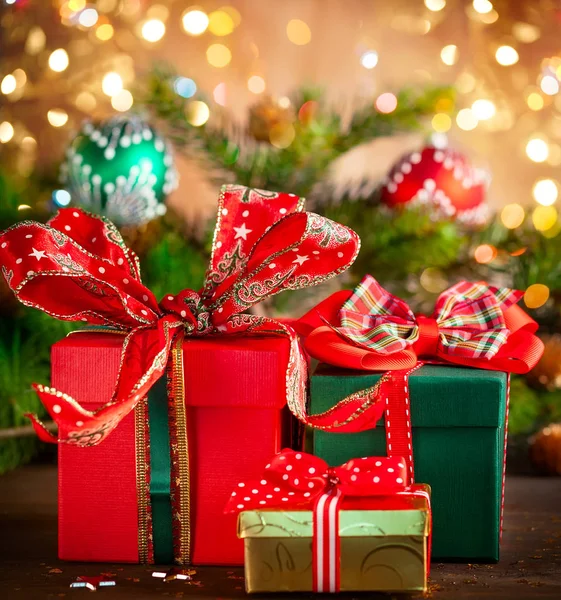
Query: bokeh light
[112,84]
[122,101]
[219,94]
[449,55]
[282,135]
[220,23]
[485,253]
[104,32]
[549,85]
[544,217]
[256,84]
[506,56]
[535,101]
[298,32]
[537,150]
[441,122]
[57,117]
[482,6]
[483,109]
[88,17]
[218,55]
[545,192]
[512,216]
[435,5]
[466,119]
[61,197]
[8,84]
[536,295]
[6,132]
[153,30]
[433,280]
[58,60]
[86,102]
[185,87]
[198,113]
[369,59]
[525,33]
[465,83]
[195,22]
[386,103]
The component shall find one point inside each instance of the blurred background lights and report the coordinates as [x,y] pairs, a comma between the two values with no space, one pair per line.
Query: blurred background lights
[465,83]
[449,55]
[256,84]
[284,102]
[195,22]
[549,85]
[153,30]
[86,102]
[218,55]
[525,33]
[485,253]
[219,94]
[58,60]
[483,109]
[545,192]
[61,198]
[512,216]
[104,32]
[466,119]
[88,17]
[220,23]
[35,42]
[6,132]
[198,113]
[282,135]
[435,5]
[76,5]
[537,150]
[298,32]
[433,280]
[57,117]
[536,295]
[122,101]
[386,103]
[506,56]
[544,217]
[535,101]
[369,59]
[441,122]
[112,84]
[8,84]
[185,87]
[482,6]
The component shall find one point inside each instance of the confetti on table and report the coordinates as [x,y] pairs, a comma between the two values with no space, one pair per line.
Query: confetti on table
[175,573]
[93,583]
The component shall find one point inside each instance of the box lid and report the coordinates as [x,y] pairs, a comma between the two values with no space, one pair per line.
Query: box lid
[441,395]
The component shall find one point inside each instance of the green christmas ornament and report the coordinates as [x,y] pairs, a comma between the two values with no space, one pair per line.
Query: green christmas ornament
[120,168]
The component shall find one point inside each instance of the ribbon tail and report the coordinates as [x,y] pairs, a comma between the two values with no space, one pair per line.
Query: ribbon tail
[326,543]
[42,432]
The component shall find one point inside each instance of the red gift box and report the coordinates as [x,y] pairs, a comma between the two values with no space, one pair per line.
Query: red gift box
[235,397]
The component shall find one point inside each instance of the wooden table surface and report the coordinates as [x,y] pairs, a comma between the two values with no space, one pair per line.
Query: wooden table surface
[530,566]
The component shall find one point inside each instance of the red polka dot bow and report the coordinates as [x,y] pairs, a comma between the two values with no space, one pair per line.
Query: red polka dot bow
[296,479]
[78,268]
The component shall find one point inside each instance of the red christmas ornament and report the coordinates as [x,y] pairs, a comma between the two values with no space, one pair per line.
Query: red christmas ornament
[442,178]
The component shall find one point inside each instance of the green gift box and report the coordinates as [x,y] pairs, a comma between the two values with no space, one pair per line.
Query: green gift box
[458,417]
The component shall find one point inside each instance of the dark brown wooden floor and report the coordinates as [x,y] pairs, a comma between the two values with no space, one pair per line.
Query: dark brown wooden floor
[29,569]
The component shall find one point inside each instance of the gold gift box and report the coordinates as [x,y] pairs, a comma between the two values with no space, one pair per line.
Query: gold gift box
[382,550]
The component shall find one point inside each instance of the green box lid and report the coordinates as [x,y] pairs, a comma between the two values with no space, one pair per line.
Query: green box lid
[441,395]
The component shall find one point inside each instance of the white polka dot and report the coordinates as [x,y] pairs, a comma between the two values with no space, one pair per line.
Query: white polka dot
[224,211]
[19,261]
[282,211]
[234,494]
[94,240]
[30,273]
[284,499]
[339,255]
[28,237]
[311,470]
[298,456]
[56,408]
[183,313]
[311,484]
[262,502]
[101,269]
[296,481]
[241,484]
[356,470]
[269,496]
[67,227]
[84,319]
[354,477]
[272,266]
[4,245]
[376,479]
[378,463]
[268,466]
[247,498]
[282,457]
[390,470]
[291,493]
[145,298]
[276,489]
[289,467]
[245,213]
[401,465]
[254,491]
[263,482]
[120,261]
[399,480]
[219,244]
[125,281]
[315,252]
[79,423]
[170,298]
[240,505]
[307,495]
[144,312]
[285,476]
[75,214]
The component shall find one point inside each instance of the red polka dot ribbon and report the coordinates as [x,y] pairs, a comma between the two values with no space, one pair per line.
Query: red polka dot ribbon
[296,480]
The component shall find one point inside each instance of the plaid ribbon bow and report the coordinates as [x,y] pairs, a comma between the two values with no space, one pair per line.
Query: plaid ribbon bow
[468,320]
